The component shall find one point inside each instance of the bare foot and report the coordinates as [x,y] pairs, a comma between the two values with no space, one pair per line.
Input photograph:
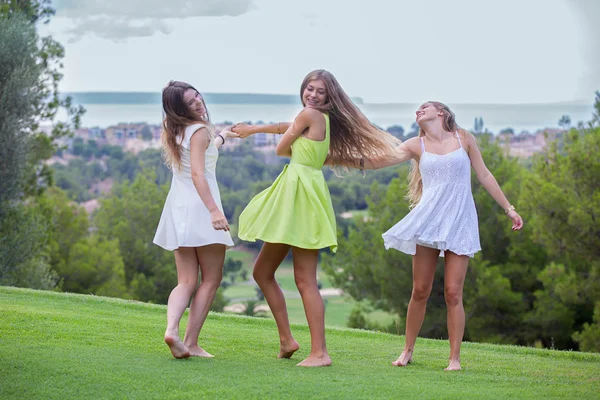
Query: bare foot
[288,350]
[453,366]
[176,346]
[197,351]
[314,361]
[404,359]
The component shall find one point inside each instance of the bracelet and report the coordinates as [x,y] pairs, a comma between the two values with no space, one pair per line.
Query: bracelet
[278,129]
[509,209]
[222,138]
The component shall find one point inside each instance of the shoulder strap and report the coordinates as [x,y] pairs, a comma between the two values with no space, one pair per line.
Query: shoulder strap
[422,144]
[458,137]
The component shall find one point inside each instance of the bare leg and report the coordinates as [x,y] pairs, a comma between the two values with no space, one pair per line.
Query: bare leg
[423,267]
[187,279]
[305,274]
[455,271]
[211,259]
[270,257]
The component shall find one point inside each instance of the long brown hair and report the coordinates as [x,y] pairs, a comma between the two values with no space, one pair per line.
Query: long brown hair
[415,182]
[352,134]
[177,116]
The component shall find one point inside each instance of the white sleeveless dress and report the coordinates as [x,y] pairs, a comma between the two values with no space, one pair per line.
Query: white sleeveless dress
[185,220]
[445,218]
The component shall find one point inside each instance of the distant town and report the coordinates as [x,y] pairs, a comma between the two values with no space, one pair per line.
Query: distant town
[136,137]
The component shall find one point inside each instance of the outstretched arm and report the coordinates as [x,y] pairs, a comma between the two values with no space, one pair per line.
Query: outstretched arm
[225,134]
[490,184]
[245,130]
[406,151]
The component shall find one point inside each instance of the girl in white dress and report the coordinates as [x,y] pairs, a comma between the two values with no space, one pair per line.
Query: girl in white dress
[192,223]
[443,220]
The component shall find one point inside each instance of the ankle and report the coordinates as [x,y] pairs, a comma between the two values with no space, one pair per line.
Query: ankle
[172,332]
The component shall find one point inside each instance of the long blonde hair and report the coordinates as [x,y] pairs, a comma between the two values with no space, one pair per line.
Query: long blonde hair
[352,134]
[177,117]
[415,182]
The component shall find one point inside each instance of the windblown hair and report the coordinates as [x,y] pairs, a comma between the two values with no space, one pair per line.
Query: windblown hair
[415,182]
[352,135]
[177,116]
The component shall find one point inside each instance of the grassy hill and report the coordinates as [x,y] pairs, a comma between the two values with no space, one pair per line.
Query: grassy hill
[55,345]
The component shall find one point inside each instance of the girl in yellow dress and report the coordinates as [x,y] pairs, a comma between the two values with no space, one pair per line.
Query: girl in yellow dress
[296,211]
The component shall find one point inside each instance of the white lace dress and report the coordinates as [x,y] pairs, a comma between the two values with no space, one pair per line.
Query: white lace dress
[445,218]
[185,220]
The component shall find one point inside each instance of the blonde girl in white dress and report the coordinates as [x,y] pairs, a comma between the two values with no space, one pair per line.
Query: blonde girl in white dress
[192,223]
[443,220]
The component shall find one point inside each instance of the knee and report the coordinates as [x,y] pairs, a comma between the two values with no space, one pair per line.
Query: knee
[421,292]
[453,296]
[260,275]
[304,282]
[189,285]
[212,284]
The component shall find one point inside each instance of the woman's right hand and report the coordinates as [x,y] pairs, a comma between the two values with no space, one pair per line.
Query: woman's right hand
[218,220]
[243,130]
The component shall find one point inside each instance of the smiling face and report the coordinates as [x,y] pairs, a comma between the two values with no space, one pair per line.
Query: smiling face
[427,112]
[195,103]
[315,93]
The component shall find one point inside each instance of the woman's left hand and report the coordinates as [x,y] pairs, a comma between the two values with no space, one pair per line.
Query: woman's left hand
[243,130]
[516,219]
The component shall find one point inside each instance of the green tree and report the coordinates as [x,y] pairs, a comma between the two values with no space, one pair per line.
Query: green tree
[66,222]
[22,262]
[29,76]
[563,195]
[130,215]
[41,99]
[95,266]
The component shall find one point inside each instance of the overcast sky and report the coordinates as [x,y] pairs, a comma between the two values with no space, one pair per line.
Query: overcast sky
[509,51]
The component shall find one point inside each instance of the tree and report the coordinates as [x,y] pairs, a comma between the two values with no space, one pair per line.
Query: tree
[66,223]
[564,122]
[95,266]
[130,215]
[563,195]
[231,268]
[29,76]
[397,131]
[42,100]
[22,262]
[478,125]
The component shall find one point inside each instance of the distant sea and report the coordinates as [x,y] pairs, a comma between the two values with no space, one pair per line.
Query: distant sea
[103,111]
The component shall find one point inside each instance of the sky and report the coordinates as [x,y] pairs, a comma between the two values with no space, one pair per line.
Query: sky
[385,51]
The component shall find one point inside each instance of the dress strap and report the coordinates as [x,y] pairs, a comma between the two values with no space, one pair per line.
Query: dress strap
[422,145]
[458,137]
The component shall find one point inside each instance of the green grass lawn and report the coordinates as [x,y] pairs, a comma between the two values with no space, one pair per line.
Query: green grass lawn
[337,310]
[64,346]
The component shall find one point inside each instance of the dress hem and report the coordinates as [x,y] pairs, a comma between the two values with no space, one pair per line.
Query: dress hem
[332,247]
[169,248]
[407,245]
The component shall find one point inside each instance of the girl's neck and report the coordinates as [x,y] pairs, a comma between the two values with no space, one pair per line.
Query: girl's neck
[435,132]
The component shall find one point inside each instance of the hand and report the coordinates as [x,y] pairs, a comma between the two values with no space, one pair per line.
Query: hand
[227,133]
[218,220]
[243,130]
[516,219]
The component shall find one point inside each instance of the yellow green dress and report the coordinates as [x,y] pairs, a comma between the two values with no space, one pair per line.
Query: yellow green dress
[296,209]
